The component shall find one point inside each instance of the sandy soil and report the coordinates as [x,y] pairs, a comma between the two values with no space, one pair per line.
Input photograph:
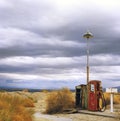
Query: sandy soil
[40,105]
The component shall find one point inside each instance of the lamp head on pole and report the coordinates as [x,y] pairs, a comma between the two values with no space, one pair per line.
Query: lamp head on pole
[88,35]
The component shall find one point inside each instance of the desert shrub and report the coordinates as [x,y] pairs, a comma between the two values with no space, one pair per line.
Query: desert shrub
[13,108]
[118,116]
[45,91]
[116,98]
[25,90]
[57,101]
[28,102]
[107,98]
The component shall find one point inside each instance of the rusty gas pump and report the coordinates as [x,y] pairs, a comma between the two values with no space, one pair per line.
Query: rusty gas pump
[96,100]
[90,96]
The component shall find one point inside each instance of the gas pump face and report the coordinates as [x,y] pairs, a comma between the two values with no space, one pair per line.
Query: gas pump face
[92,88]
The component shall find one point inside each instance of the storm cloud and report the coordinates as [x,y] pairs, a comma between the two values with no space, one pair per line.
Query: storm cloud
[41,42]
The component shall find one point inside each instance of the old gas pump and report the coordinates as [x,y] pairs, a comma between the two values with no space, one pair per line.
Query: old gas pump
[90,96]
[81,96]
[96,101]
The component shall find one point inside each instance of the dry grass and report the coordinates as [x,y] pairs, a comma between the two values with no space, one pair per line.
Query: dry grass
[45,91]
[13,108]
[118,116]
[57,101]
[116,98]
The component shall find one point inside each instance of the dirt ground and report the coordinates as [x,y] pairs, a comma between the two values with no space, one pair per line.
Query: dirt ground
[40,106]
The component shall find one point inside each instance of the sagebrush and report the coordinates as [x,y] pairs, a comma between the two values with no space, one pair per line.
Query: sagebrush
[58,101]
[116,98]
[13,108]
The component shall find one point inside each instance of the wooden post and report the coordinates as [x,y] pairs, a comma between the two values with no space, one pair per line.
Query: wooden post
[111,91]
[111,102]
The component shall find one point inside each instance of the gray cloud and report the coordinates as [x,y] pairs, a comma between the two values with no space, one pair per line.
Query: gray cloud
[43,40]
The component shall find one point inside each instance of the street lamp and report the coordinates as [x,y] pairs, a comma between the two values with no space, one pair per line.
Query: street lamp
[88,35]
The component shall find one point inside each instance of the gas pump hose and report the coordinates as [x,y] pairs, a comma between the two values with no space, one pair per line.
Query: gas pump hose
[102,103]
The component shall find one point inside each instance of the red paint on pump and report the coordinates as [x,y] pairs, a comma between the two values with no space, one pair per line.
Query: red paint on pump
[94,88]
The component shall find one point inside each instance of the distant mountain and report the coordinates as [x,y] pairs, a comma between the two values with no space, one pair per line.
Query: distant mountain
[104,89]
[118,88]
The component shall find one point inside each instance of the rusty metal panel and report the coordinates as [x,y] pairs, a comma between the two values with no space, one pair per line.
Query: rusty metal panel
[93,95]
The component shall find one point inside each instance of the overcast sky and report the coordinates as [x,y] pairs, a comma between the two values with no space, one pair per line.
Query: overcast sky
[42,44]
